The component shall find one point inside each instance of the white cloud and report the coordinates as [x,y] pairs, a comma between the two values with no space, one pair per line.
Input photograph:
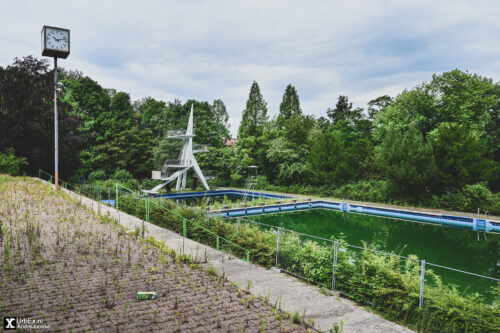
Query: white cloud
[215,49]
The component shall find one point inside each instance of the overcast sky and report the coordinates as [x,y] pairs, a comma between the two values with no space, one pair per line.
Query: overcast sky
[214,49]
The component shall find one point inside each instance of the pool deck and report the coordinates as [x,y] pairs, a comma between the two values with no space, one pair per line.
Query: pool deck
[293,294]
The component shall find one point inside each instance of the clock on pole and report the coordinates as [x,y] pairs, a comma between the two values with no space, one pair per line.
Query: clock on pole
[56,44]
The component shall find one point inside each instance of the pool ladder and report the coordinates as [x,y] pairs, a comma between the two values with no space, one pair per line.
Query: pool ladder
[250,186]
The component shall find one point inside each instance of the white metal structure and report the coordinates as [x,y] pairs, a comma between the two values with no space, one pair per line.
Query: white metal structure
[251,182]
[183,164]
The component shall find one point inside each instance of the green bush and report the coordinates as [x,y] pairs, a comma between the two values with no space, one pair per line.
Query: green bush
[365,190]
[495,206]
[122,176]
[97,175]
[10,163]
[468,199]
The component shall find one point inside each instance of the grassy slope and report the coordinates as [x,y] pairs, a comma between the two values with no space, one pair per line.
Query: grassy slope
[78,271]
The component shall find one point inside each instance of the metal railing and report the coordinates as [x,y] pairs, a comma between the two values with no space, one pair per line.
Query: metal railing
[200,148]
[177,133]
[113,199]
[185,226]
[210,174]
[339,256]
[178,163]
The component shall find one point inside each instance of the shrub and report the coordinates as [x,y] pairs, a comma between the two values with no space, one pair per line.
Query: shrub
[97,175]
[468,199]
[121,176]
[10,163]
[495,206]
[365,190]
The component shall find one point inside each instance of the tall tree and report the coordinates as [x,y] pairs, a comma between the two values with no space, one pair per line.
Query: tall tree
[377,104]
[251,147]
[154,115]
[255,114]
[289,107]
[220,112]
[452,113]
[89,101]
[343,111]
[27,118]
[407,162]
[338,157]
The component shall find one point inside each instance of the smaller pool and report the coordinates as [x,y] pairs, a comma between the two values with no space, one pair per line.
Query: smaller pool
[221,193]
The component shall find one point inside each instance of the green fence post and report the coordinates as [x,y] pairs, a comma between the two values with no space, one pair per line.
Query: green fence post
[147,210]
[334,262]
[184,228]
[51,179]
[116,199]
[217,242]
[248,256]
[40,173]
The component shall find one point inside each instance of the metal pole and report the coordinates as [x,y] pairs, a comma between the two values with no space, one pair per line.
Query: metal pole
[116,199]
[422,279]
[278,246]
[56,142]
[334,264]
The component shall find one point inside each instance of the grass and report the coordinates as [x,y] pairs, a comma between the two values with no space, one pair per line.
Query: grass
[80,271]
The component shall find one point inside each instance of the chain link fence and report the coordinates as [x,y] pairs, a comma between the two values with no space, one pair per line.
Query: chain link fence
[361,273]
[369,275]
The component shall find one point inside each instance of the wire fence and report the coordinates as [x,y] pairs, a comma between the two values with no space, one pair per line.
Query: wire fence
[335,264]
[330,263]
[154,211]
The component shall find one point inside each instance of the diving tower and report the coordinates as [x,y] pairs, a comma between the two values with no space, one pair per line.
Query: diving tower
[184,163]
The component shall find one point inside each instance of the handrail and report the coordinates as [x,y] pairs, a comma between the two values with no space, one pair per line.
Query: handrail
[118,185]
[148,201]
[198,225]
[65,184]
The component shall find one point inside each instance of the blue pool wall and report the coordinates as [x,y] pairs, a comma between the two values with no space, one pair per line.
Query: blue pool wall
[475,224]
[218,193]
[234,193]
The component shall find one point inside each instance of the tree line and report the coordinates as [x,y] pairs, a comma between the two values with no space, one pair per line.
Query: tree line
[438,142]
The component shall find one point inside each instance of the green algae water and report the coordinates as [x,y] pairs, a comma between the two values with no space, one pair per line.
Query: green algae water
[456,248]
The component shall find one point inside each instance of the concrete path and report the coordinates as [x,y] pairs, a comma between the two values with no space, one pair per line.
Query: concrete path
[293,294]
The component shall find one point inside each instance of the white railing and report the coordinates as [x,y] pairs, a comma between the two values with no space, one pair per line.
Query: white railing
[178,163]
[200,148]
[177,133]
[209,174]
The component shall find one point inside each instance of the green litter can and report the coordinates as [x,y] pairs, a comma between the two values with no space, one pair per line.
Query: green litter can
[143,295]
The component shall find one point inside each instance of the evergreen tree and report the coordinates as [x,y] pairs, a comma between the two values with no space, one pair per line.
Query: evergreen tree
[255,114]
[343,111]
[407,162]
[289,107]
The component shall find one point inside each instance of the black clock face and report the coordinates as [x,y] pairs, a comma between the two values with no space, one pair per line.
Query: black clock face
[57,40]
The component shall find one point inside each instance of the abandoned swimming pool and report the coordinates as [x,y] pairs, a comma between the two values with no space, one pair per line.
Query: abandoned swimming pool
[461,249]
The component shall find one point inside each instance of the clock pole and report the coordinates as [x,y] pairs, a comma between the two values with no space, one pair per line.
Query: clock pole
[57,47]
[56,141]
